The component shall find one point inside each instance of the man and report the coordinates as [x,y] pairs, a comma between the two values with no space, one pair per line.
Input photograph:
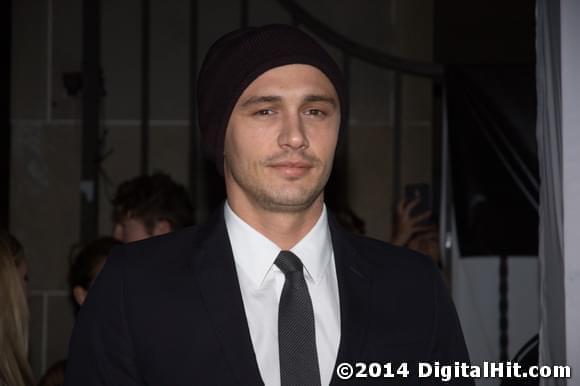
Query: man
[148,206]
[269,291]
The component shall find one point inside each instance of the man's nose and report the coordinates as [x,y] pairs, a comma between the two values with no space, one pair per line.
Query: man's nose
[293,134]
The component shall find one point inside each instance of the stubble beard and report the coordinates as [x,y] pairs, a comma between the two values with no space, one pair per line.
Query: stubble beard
[278,198]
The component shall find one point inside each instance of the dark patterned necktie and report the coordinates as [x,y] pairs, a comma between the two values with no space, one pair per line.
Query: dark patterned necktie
[296,335]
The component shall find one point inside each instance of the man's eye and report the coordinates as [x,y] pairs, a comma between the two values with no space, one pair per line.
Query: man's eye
[264,112]
[315,112]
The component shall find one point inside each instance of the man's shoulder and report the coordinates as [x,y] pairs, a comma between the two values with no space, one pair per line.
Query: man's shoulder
[175,248]
[381,252]
[382,256]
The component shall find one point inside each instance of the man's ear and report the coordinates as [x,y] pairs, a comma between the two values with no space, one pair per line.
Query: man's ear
[80,294]
[162,227]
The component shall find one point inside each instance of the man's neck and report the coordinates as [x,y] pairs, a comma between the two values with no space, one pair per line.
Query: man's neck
[284,228]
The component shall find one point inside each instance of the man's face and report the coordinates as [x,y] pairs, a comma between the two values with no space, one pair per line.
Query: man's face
[281,138]
[130,229]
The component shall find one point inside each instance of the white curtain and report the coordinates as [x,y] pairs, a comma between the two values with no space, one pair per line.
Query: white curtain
[549,133]
[558,131]
[570,69]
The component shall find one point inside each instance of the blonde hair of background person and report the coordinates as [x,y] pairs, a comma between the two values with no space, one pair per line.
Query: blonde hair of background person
[14,317]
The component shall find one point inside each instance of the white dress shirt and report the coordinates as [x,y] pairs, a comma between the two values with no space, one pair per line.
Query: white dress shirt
[261,283]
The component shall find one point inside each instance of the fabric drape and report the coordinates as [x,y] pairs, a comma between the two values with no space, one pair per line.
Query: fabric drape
[549,133]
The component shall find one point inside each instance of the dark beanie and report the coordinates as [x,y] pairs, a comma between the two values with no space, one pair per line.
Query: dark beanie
[237,59]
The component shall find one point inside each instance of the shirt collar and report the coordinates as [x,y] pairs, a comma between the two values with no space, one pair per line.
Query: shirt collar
[255,254]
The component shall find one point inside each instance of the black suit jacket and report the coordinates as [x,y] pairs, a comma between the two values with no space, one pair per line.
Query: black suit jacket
[168,311]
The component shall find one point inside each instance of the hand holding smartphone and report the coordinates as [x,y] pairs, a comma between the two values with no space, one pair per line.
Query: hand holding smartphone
[423,194]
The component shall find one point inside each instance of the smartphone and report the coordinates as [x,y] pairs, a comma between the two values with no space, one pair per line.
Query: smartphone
[422,191]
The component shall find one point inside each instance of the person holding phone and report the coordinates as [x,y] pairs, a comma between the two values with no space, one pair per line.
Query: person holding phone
[413,227]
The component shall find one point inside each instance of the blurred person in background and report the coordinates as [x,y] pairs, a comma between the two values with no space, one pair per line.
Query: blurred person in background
[147,206]
[85,268]
[54,376]
[14,314]
[87,264]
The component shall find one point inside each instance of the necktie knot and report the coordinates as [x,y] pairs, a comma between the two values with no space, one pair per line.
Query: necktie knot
[288,262]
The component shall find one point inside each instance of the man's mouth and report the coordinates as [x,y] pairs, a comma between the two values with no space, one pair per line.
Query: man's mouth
[292,169]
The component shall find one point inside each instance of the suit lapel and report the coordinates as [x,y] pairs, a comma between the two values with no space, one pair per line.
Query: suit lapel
[353,276]
[218,281]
